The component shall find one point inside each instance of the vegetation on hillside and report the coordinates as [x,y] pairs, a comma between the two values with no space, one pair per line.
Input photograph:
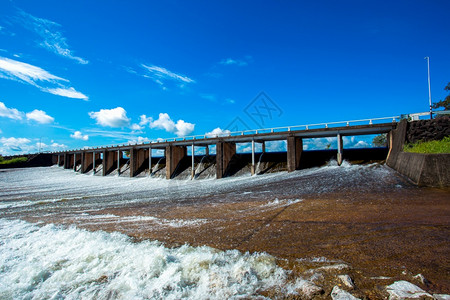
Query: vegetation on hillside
[380,140]
[442,146]
[444,103]
[12,161]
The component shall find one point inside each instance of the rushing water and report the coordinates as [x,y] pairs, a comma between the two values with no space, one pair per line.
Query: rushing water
[47,261]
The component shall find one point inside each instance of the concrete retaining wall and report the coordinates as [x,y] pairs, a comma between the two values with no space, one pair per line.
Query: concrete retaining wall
[423,169]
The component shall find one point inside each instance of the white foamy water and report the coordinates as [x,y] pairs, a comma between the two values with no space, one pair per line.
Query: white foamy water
[52,262]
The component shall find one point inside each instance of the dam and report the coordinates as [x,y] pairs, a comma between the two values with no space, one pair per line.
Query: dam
[176,159]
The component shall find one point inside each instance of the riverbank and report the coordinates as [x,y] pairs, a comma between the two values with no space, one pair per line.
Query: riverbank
[366,221]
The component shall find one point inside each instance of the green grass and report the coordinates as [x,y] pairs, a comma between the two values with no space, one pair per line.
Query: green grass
[13,161]
[442,146]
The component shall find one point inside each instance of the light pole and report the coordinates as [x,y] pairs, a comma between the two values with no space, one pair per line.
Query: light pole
[429,85]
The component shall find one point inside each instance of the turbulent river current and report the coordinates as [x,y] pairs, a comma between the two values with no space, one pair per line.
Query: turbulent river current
[65,235]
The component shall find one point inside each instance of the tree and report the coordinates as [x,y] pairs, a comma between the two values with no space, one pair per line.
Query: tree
[446,102]
[380,140]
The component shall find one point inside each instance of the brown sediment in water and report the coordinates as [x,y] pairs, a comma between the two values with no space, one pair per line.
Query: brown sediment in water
[380,234]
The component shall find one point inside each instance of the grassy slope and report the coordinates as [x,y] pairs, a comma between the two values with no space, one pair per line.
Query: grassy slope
[442,146]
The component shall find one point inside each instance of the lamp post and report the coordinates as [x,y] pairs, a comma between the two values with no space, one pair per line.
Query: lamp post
[429,85]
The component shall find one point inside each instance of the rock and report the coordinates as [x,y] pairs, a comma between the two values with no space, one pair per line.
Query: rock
[441,296]
[405,290]
[347,281]
[308,289]
[338,294]
[422,279]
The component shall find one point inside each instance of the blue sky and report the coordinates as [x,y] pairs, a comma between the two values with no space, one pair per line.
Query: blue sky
[91,73]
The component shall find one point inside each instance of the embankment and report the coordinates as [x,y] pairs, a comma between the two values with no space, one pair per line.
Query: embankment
[423,169]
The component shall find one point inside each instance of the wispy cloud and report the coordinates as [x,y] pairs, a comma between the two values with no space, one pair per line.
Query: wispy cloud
[39,116]
[51,37]
[38,77]
[10,113]
[13,145]
[67,92]
[161,75]
[236,62]
[209,97]
[120,135]
[116,117]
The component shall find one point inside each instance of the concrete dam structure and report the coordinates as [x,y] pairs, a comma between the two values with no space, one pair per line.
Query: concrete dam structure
[226,161]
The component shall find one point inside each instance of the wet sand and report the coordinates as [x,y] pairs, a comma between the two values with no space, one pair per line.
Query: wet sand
[381,232]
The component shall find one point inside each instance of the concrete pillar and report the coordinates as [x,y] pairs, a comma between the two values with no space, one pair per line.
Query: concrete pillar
[74,161]
[109,162]
[94,158]
[137,159]
[119,154]
[207,150]
[252,169]
[86,161]
[294,152]
[263,147]
[59,160]
[174,154]
[150,161]
[68,161]
[340,146]
[192,162]
[224,153]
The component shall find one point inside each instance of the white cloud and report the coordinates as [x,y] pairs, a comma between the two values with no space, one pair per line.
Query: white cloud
[39,116]
[136,127]
[160,75]
[116,117]
[181,128]
[16,70]
[52,39]
[79,136]
[138,140]
[35,76]
[163,122]
[209,97]
[237,62]
[12,144]
[144,120]
[184,128]
[230,101]
[56,146]
[10,113]
[67,92]
[218,132]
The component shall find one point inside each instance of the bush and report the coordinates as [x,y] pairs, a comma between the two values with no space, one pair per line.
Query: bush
[13,161]
[442,146]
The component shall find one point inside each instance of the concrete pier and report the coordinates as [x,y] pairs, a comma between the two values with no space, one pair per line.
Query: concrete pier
[109,161]
[294,152]
[340,146]
[224,153]
[86,161]
[137,160]
[174,155]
